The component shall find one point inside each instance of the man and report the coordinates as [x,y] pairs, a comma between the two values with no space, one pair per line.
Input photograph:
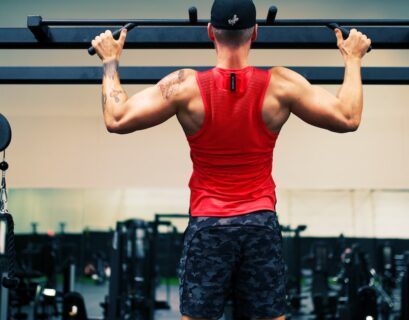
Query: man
[232,116]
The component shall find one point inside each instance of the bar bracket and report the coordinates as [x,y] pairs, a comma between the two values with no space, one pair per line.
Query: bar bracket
[40,31]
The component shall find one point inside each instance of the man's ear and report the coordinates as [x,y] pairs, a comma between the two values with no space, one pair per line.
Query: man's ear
[255,32]
[210,32]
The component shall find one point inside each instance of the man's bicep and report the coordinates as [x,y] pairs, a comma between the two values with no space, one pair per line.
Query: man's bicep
[316,106]
[146,109]
[155,104]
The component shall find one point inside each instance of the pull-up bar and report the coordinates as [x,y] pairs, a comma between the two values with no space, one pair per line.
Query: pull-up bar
[195,37]
[194,21]
[191,33]
[203,22]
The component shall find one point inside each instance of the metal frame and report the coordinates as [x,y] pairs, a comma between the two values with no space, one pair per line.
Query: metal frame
[38,20]
[192,34]
[195,37]
[151,75]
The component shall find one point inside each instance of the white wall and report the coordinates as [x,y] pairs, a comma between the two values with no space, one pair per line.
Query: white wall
[356,213]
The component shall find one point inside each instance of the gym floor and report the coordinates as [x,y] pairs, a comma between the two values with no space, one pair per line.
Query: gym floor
[94,294]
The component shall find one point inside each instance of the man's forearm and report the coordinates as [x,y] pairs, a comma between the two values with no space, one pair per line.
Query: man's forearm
[113,95]
[351,92]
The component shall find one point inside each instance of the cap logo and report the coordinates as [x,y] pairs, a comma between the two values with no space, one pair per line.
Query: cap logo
[234,20]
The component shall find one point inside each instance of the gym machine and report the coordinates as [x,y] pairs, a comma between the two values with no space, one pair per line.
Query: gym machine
[292,257]
[324,300]
[358,300]
[404,313]
[129,286]
[172,252]
[386,266]
[134,274]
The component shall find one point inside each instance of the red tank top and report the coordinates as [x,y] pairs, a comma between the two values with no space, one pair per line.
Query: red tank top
[232,152]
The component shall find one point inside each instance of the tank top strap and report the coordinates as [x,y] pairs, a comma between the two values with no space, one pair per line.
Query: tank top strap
[260,79]
[205,82]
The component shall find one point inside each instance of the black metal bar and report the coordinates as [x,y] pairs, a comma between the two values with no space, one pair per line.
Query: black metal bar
[271,15]
[36,26]
[151,75]
[203,22]
[194,37]
[115,34]
[345,32]
[193,15]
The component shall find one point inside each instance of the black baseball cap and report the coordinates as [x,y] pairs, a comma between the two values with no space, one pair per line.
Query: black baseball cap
[233,14]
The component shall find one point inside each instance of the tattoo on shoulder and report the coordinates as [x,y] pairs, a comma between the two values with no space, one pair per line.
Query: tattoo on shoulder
[169,85]
[111,68]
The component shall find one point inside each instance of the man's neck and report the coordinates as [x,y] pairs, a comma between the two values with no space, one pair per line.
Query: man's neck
[232,58]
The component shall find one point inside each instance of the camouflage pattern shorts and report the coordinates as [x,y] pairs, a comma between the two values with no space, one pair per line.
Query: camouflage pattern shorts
[235,258]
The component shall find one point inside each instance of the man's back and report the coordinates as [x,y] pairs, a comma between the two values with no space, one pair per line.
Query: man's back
[287,93]
[191,113]
[232,150]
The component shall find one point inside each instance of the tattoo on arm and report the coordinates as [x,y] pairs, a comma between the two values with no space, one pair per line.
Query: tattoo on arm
[104,101]
[115,93]
[170,85]
[111,69]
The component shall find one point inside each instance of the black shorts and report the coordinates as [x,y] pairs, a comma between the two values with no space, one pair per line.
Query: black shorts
[238,258]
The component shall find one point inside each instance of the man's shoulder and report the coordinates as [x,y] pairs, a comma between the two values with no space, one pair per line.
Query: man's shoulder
[180,77]
[185,77]
[282,73]
[185,81]
[285,78]
[284,83]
